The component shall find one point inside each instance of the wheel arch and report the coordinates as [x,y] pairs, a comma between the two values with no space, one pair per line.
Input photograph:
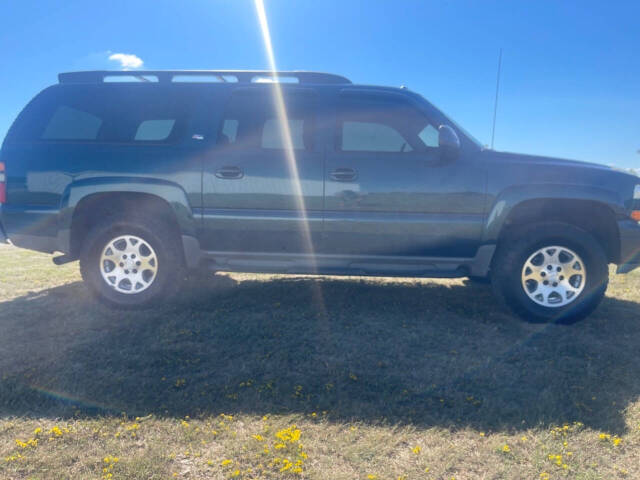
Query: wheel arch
[85,203]
[589,208]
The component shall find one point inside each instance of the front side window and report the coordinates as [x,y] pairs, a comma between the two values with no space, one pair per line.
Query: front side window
[368,123]
[429,136]
[372,137]
[251,121]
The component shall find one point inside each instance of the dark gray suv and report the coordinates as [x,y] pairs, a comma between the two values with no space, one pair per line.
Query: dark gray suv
[142,175]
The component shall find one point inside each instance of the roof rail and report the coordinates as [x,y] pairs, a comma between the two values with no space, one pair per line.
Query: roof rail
[222,76]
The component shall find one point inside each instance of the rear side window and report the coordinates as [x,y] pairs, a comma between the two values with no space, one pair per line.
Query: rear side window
[272,136]
[154,130]
[104,114]
[68,123]
[251,122]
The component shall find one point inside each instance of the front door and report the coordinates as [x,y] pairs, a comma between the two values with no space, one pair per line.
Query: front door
[260,197]
[388,192]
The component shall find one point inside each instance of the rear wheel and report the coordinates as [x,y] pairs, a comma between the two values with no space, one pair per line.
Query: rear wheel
[131,263]
[550,272]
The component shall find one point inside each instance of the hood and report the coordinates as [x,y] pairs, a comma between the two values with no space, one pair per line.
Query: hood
[511,169]
[540,160]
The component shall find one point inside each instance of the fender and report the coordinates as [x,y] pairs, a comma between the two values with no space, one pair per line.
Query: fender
[168,191]
[513,196]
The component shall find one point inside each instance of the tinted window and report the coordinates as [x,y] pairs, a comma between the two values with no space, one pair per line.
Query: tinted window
[369,123]
[154,130]
[272,136]
[229,131]
[115,113]
[369,136]
[429,135]
[251,121]
[68,123]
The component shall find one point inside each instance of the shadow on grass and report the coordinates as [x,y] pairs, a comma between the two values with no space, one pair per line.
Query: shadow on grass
[428,354]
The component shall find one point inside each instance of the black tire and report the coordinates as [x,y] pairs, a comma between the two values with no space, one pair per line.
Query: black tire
[161,238]
[517,247]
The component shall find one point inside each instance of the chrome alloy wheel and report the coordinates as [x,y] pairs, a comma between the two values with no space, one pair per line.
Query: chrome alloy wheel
[128,264]
[554,276]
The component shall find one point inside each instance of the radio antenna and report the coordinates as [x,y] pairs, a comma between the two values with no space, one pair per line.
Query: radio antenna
[495,105]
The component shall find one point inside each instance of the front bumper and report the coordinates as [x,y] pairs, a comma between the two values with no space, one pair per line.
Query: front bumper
[629,246]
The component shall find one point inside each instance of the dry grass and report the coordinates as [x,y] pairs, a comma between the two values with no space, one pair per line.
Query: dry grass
[389,378]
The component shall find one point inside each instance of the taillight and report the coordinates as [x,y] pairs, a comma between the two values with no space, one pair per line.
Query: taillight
[3,184]
[635,214]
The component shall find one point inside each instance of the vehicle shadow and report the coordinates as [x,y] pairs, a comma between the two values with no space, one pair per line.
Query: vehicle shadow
[425,353]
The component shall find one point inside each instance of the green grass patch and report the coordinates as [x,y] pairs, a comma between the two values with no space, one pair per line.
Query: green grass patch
[368,378]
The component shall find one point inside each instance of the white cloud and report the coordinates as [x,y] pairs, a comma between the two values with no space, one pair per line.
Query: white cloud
[126,60]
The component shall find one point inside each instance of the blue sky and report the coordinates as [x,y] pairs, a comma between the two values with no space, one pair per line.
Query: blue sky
[571,70]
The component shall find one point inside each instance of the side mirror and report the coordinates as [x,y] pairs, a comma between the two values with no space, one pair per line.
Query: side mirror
[448,142]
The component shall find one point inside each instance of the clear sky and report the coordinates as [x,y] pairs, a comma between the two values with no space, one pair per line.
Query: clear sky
[571,69]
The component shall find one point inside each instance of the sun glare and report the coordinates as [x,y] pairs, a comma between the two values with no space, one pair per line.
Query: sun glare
[285,131]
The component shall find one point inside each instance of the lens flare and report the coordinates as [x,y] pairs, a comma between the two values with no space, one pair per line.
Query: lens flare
[285,132]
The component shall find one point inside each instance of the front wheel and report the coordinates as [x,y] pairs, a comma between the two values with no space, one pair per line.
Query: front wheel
[131,263]
[550,272]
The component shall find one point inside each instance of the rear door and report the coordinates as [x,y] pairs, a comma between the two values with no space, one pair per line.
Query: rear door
[259,197]
[388,193]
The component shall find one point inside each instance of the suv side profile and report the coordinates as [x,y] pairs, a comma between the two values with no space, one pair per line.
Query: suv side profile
[144,175]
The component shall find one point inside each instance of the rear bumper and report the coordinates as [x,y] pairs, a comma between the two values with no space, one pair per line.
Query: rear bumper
[629,246]
[33,228]
[3,235]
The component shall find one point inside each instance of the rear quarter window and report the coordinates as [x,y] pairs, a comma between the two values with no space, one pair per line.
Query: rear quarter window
[68,123]
[103,114]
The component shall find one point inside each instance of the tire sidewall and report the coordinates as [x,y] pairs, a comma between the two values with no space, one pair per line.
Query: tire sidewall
[156,237]
[530,241]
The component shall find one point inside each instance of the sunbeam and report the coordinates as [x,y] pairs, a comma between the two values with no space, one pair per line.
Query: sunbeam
[285,132]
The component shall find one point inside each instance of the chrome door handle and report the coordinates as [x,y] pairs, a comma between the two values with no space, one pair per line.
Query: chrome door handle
[229,173]
[343,174]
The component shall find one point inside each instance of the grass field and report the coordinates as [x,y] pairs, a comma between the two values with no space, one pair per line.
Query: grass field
[257,376]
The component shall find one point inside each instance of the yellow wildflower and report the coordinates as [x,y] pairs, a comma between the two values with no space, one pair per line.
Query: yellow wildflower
[416,449]
[226,462]
[506,448]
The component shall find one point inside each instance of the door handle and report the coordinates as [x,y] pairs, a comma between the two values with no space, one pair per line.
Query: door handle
[343,175]
[229,173]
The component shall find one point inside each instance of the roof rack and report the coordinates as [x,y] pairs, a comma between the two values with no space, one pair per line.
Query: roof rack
[213,76]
